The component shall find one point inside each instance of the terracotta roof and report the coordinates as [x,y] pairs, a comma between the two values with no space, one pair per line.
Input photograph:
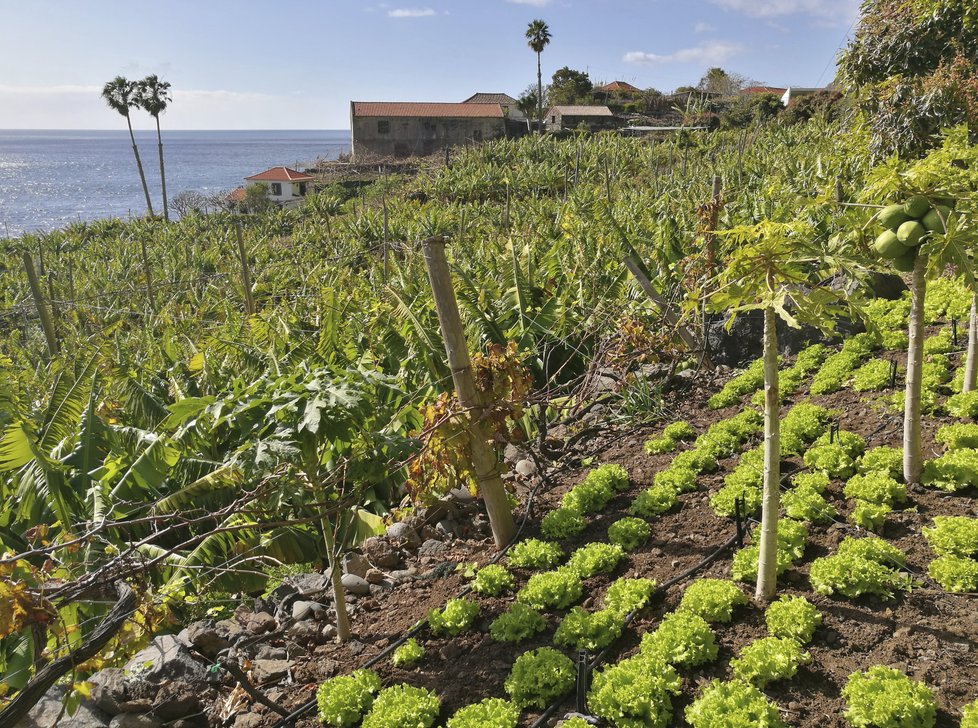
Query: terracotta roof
[237,195]
[618,86]
[422,109]
[581,111]
[484,98]
[763,90]
[280,174]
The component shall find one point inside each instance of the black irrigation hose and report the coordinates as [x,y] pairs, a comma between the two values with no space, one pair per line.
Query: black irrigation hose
[662,588]
[290,719]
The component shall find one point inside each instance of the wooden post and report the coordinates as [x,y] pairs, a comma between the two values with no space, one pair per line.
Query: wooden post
[52,299]
[147,273]
[484,458]
[245,269]
[685,335]
[42,311]
[386,228]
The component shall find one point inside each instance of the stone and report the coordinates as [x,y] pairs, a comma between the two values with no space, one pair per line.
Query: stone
[355,564]
[206,638]
[304,631]
[380,553]
[309,584]
[268,671]
[163,660]
[135,720]
[512,453]
[261,623]
[400,575]
[268,652]
[403,533]
[192,721]
[447,527]
[461,495]
[229,629]
[49,712]
[329,631]
[355,584]
[526,467]
[109,689]
[375,576]
[432,547]
[177,699]
[307,610]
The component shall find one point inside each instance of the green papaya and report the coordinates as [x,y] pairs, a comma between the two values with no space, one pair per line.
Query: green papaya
[905,262]
[889,246]
[916,206]
[935,219]
[911,233]
[893,217]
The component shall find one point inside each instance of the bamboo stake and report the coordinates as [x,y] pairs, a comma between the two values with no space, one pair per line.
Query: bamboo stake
[484,458]
[42,311]
[245,269]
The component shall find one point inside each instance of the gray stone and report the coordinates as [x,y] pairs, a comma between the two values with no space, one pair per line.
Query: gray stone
[447,527]
[229,629]
[268,671]
[267,652]
[308,584]
[432,547]
[306,610]
[355,584]
[177,699]
[375,576]
[49,709]
[355,564]
[109,689]
[512,453]
[207,638]
[460,495]
[163,660]
[304,631]
[526,468]
[135,720]
[400,575]
[261,623]
[329,631]
[405,534]
[380,553]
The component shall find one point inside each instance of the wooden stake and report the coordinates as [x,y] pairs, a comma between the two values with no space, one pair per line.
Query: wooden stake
[42,310]
[484,458]
[245,269]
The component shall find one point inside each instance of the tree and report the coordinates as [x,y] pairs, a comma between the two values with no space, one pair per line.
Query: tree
[121,95]
[538,38]
[527,103]
[718,81]
[568,87]
[153,98]
[913,65]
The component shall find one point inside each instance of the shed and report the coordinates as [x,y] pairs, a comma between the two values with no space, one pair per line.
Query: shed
[594,118]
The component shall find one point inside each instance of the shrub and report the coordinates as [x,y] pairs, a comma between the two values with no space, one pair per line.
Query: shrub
[551,590]
[595,558]
[963,404]
[562,523]
[768,659]
[802,425]
[953,471]
[629,533]
[793,617]
[886,698]
[626,595]
[872,376]
[712,599]
[876,487]
[953,536]
[492,580]
[635,692]
[831,459]
[676,479]
[539,677]
[883,459]
[682,639]
[954,573]
[535,554]
[834,373]
[958,437]
[806,504]
[871,516]
[403,706]
[343,700]
[583,630]
[408,655]
[733,704]
[655,501]
[457,616]
[488,713]
[518,623]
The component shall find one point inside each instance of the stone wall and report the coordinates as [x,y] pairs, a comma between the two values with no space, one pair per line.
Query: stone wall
[419,137]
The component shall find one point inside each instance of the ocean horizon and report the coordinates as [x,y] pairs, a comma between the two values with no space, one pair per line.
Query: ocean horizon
[50,178]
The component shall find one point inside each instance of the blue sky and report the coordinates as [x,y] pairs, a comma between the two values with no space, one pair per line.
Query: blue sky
[296,64]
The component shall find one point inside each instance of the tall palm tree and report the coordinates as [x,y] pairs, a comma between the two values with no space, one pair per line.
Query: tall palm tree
[121,94]
[154,96]
[538,38]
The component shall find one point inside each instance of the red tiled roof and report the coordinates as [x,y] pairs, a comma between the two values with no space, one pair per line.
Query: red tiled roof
[280,174]
[763,90]
[237,195]
[416,109]
[580,111]
[618,86]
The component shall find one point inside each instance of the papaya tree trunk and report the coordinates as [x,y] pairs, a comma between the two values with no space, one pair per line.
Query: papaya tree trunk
[767,568]
[913,460]
[971,367]
[335,564]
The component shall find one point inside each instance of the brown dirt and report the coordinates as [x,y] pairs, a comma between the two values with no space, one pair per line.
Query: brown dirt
[927,633]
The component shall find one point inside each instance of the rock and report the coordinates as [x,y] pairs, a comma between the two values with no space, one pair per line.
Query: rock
[304,631]
[403,533]
[309,584]
[268,671]
[400,575]
[355,564]
[356,585]
[135,720]
[267,652]
[193,721]
[526,468]
[247,720]
[380,553]
[447,527]
[49,712]
[432,547]
[229,629]
[206,638]
[450,651]
[329,631]
[109,689]
[306,610]
[177,699]
[375,576]
[163,660]
[261,623]
[461,495]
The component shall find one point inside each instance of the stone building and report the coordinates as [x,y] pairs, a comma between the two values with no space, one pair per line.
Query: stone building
[409,129]
[595,118]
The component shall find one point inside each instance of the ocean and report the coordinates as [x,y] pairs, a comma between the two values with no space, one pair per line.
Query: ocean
[49,179]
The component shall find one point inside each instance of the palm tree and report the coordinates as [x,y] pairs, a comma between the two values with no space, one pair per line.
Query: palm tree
[538,38]
[154,96]
[121,94]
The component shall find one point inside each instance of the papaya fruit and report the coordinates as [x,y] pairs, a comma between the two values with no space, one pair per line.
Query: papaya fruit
[911,233]
[905,262]
[935,219]
[916,206]
[893,216]
[889,246]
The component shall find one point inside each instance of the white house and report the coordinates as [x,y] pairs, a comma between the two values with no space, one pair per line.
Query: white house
[281,184]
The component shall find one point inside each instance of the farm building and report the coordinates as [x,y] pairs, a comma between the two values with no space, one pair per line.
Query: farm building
[793,93]
[281,184]
[618,88]
[595,118]
[510,105]
[410,129]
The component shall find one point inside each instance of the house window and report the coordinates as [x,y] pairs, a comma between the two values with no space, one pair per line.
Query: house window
[276,189]
[302,189]
[383,127]
[477,135]
[553,119]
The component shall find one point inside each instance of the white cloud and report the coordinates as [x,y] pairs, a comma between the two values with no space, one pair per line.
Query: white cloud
[841,10]
[411,13]
[710,54]
[703,28]
[534,3]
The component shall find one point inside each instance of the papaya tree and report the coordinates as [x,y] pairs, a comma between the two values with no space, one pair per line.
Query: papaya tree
[771,270]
